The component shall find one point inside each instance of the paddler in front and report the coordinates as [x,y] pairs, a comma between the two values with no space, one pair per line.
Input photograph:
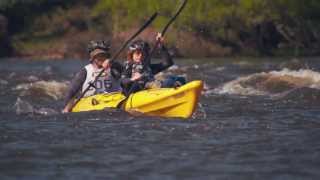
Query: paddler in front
[108,82]
[139,72]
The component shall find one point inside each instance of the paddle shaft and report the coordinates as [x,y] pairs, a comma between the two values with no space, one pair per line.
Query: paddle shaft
[164,30]
[166,27]
[146,24]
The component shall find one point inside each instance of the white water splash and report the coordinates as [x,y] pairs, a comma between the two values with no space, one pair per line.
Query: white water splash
[53,89]
[200,112]
[310,78]
[33,78]
[237,87]
[265,83]
[24,107]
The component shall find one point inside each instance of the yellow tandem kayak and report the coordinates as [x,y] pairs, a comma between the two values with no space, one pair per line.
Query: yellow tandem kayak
[163,102]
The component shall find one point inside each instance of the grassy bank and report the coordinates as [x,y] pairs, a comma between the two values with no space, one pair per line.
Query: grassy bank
[205,28]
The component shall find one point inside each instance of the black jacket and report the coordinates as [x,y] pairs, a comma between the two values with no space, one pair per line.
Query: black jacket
[152,69]
[147,71]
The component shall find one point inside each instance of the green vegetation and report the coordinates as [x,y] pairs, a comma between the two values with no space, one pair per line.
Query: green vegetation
[252,27]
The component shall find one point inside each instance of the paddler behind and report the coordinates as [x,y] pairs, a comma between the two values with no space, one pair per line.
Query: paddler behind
[139,72]
[108,82]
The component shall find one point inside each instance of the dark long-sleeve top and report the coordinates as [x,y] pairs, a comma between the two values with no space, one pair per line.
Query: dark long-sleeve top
[166,61]
[76,85]
[154,67]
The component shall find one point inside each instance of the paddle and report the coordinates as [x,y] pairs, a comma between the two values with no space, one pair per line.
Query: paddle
[166,28]
[71,104]
[162,33]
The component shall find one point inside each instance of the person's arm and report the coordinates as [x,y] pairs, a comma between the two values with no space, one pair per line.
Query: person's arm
[166,61]
[116,70]
[75,87]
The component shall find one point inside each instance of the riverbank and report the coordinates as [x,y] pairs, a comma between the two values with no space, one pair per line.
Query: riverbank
[60,30]
[73,45]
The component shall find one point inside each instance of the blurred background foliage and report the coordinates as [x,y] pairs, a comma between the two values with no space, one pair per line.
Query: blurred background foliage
[253,27]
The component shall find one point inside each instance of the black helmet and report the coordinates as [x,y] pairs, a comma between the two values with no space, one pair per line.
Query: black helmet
[93,45]
[139,45]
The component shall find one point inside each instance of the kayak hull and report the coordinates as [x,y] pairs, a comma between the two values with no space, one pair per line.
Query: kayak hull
[166,102]
[99,102]
[163,102]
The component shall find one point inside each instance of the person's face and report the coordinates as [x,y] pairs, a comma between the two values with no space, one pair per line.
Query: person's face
[99,59]
[137,56]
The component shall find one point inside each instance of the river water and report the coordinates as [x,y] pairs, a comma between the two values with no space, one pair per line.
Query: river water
[257,119]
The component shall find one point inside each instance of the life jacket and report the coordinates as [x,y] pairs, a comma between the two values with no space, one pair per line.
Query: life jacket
[132,68]
[106,83]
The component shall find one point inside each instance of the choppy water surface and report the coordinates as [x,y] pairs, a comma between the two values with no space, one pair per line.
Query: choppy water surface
[257,119]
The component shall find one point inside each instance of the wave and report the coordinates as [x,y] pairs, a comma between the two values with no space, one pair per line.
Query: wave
[274,83]
[53,89]
[24,107]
